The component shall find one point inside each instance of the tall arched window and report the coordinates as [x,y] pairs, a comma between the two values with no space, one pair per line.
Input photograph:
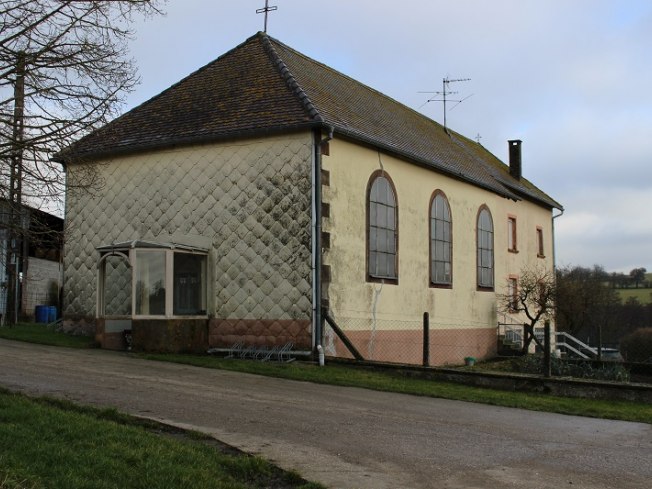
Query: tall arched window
[441,238]
[485,246]
[382,232]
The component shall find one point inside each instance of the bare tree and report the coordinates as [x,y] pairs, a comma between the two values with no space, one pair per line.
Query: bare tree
[69,60]
[64,71]
[532,298]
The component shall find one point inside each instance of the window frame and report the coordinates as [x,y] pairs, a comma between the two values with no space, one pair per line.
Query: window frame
[136,270]
[101,300]
[480,285]
[370,277]
[432,220]
[129,252]
[512,292]
[540,246]
[169,285]
[512,234]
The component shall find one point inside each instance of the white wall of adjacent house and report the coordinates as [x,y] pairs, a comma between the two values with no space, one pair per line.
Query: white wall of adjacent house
[367,309]
[41,284]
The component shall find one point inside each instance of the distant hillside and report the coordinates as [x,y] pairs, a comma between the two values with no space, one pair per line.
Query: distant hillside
[644,296]
[626,286]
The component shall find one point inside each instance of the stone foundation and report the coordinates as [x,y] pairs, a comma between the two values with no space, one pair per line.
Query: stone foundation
[260,332]
[170,335]
[194,335]
[79,325]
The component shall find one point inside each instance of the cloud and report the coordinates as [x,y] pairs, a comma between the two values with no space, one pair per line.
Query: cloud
[611,226]
[571,79]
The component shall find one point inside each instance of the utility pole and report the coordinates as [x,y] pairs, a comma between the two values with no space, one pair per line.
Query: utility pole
[15,233]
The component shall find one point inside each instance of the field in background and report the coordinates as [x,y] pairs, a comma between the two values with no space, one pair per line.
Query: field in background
[644,296]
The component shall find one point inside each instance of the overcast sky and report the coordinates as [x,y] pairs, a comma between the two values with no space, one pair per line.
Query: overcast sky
[571,78]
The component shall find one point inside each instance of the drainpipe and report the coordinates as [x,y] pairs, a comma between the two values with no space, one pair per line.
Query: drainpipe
[554,265]
[316,238]
[554,244]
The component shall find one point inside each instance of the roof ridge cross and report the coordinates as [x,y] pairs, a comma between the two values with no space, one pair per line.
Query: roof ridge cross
[265,10]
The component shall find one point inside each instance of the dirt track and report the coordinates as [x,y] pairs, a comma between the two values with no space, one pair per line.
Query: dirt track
[347,437]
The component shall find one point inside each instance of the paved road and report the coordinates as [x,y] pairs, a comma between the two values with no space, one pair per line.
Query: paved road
[347,437]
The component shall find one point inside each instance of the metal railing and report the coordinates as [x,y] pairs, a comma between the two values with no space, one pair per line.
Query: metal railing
[579,348]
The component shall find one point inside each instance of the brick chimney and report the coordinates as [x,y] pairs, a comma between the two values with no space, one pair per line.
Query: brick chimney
[515,169]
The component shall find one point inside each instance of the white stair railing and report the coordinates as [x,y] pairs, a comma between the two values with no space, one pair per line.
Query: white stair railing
[573,344]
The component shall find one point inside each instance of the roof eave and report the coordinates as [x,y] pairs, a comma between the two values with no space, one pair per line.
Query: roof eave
[547,201]
[188,141]
[420,161]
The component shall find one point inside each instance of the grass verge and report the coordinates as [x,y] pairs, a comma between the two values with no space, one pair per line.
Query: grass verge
[368,379]
[397,382]
[44,335]
[56,444]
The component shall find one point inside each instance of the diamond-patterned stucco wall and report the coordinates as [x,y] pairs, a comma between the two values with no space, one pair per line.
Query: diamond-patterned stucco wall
[249,199]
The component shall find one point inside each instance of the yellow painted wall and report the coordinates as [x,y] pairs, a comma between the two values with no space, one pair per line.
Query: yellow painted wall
[355,303]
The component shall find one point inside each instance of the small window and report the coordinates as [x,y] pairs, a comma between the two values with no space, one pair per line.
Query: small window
[441,270]
[540,252]
[382,236]
[189,284]
[485,249]
[511,234]
[512,293]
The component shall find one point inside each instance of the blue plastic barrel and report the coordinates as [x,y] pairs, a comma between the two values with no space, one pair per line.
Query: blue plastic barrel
[52,314]
[41,314]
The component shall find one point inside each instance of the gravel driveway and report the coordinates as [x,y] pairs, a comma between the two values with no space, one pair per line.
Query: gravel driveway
[347,437]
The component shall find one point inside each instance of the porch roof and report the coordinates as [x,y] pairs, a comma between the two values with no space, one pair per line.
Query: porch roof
[142,244]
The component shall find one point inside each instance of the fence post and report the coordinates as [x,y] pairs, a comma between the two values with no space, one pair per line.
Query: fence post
[426,339]
[547,366]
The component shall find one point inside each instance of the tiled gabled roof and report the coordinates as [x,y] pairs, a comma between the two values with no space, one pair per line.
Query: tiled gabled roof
[263,86]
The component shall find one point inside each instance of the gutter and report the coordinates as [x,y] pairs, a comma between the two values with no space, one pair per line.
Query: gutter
[69,154]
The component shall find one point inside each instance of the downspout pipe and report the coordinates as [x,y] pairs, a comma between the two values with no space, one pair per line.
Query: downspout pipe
[554,260]
[554,243]
[317,260]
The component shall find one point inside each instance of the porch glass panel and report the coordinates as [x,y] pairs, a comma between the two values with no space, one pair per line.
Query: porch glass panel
[150,283]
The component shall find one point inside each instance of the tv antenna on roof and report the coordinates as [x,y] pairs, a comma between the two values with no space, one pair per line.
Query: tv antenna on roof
[265,10]
[445,92]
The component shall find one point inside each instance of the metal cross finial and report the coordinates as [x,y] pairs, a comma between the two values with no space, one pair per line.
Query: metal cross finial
[265,10]
[478,138]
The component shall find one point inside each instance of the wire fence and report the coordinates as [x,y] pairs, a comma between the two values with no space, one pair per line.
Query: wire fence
[423,341]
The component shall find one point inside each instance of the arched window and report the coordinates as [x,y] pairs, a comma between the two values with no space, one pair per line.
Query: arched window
[485,246]
[382,232]
[441,238]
